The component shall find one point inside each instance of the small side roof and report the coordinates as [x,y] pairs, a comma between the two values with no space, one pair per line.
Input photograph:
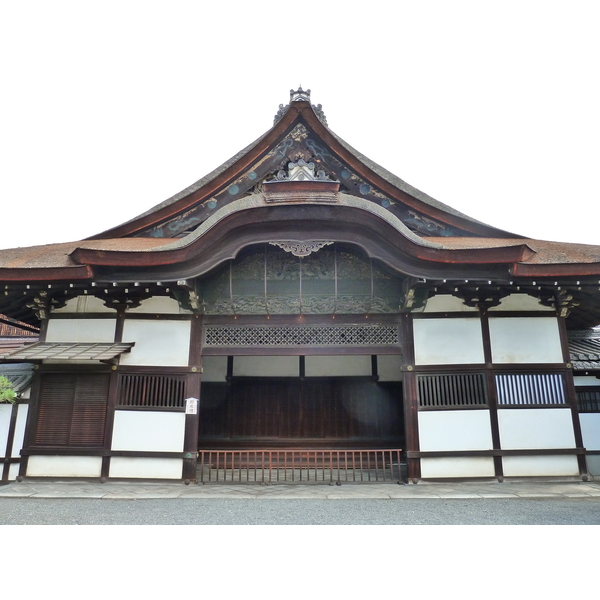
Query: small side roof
[69,351]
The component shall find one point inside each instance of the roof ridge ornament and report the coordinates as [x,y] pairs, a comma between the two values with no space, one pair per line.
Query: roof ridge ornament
[300,95]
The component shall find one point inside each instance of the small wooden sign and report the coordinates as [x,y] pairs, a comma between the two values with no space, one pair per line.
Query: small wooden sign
[191,406]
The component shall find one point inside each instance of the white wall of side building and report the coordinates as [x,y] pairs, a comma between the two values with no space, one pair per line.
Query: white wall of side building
[148,431]
[446,303]
[338,366]
[389,367]
[85,304]
[521,302]
[64,466]
[81,330]
[448,341]
[15,450]
[145,468]
[157,342]
[525,340]
[5,415]
[214,369]
[455,430]
[590,427]
[163,305]
[266,366]
[538,429]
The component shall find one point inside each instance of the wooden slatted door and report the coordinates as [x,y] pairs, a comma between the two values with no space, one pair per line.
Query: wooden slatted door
[293,412]
[72,410]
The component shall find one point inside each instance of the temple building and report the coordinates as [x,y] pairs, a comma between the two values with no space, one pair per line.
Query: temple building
[302,312]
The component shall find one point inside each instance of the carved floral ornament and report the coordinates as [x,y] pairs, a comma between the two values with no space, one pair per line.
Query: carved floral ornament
[301,248]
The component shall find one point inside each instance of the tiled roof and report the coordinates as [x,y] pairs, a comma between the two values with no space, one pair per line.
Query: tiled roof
[544,252]
[20,375]
[58,255]
[7,330]
[584,350]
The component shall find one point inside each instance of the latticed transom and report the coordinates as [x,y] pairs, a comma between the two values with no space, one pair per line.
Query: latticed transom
[450,390]
[301,335]
[530,388]
[151,391]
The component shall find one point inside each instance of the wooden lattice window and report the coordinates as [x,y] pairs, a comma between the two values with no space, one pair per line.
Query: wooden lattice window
[72,410]
[527,389]
[452,390]
[152,391]
[588,399]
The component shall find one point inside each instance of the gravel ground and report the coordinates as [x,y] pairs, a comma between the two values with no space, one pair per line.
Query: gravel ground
[492,511]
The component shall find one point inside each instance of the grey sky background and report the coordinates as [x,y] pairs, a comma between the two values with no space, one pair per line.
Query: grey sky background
[108,108]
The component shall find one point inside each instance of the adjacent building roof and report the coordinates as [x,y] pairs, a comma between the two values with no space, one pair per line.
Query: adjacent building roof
[20,375]
[584,349]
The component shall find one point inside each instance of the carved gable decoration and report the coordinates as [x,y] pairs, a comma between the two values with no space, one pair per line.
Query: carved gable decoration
[317,277]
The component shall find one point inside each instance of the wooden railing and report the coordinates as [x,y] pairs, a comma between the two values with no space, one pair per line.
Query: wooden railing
[299,466]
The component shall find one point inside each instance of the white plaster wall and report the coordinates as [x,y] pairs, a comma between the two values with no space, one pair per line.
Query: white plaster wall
[583,381]
[84,304]
[590,430]
[540,466]
[266,366]
[536,428]
[64,466]
[20,429]
[445,430]
[13,471]
[14,451]
[338,366]
[389,367]
[525,340]
[448,341]
[478,466]
[148,431]
[81,330]
[146,468]
[157,305]
[517,302]
[447,303]
[214,368]
[5,412]
[593,465]
[163,343]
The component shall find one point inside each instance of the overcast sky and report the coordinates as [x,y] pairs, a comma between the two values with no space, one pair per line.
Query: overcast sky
[108,108]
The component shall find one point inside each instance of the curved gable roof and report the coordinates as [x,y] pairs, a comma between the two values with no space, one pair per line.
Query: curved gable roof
[300,129]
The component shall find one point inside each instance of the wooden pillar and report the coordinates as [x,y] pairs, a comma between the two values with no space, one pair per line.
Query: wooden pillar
[113,398]
[491,391]
[192,390]
[34,403]
[411,404]
[9,442]
[571,395]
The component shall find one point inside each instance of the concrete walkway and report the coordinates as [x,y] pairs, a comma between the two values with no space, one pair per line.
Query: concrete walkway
[134,490]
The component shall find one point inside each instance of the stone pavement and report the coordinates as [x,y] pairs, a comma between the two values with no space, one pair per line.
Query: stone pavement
[118,490]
